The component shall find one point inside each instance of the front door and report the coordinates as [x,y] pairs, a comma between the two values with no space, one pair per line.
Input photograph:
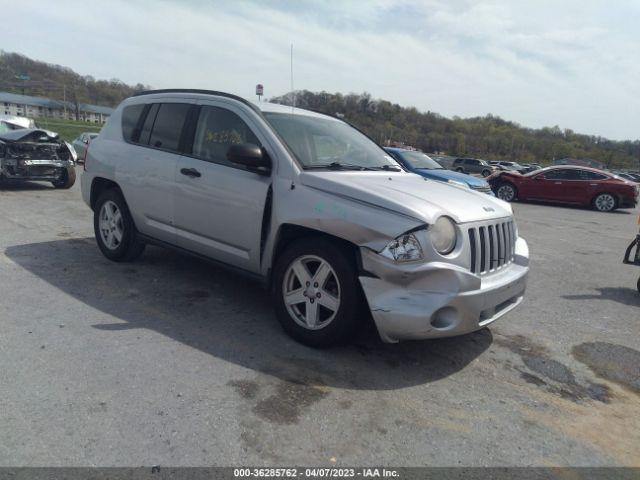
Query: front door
[219,205]
[549,186]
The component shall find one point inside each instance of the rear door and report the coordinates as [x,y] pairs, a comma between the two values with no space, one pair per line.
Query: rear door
[471,166]
[220,205]
[148,175]
[589,184]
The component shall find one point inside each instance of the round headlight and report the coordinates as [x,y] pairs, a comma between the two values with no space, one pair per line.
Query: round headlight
[443,235]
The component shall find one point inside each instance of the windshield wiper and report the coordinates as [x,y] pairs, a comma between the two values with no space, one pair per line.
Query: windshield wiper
[337,166]
[388,168]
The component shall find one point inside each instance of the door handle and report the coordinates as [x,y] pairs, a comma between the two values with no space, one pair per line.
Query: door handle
[557,183]
[190,172]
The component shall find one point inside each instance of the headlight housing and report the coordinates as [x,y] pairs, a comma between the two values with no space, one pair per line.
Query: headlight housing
[405,248]
[443,235]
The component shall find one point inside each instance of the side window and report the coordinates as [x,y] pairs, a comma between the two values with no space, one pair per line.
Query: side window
[218,129]
[130,117]
[556,175]
[572,175]
[168,124]
[587,175]
[145,132]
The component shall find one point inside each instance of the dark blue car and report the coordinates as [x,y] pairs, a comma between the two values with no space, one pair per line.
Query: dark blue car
[418,162]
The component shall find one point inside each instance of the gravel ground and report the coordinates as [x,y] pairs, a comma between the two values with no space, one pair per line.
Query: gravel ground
[170,361]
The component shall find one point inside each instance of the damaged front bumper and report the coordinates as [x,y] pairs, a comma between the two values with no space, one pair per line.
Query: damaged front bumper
[33,169]
[437,299]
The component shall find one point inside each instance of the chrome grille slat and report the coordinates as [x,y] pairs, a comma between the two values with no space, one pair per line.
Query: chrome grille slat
[500,237]
[494,247]
[484,249]
[491,245]
[503,244]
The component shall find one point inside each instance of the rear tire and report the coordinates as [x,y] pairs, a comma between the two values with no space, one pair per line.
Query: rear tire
[114,228]
[507,192]
[460,169]
[323,313]
[66,180]
[605,202]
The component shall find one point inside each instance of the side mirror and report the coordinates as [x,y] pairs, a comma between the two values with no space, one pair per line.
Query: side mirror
[251,156]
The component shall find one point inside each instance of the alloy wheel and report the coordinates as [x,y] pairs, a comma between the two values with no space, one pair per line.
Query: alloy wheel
[605,202]
[506,193]
[311,292]
[110,225]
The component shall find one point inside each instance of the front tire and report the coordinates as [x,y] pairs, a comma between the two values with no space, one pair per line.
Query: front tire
[66,180]
[486,173]
[507,192]
[114,228]
[316,292]
[605,202]
[460,170]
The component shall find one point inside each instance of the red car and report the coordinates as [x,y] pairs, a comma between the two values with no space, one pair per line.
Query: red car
[584,186]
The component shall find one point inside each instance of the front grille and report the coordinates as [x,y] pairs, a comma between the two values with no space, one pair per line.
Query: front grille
[492,246]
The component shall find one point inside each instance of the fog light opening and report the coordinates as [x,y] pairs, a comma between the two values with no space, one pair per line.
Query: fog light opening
[445,318]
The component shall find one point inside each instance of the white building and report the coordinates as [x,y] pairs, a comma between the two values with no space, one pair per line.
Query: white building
[34,107]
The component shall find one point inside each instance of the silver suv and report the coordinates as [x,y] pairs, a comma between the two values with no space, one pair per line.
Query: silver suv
[310,206]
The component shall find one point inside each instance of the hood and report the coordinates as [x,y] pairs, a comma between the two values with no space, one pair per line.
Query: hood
[451,175]
[409,194]
[28,135]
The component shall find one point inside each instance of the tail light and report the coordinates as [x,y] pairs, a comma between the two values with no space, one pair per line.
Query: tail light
[84,160]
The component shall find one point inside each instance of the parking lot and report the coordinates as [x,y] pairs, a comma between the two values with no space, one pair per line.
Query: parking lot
[171,361]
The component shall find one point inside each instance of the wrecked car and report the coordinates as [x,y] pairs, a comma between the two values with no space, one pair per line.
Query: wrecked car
[35,154]
[311,207]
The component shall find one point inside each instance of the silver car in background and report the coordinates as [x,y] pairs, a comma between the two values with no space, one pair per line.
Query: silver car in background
[81,143]
[308,205]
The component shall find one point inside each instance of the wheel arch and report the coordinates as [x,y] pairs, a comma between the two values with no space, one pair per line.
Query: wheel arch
[99,185]
[512,184]
[289,233]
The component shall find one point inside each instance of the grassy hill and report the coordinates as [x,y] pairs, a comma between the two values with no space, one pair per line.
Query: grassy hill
[20,74]
[489,137]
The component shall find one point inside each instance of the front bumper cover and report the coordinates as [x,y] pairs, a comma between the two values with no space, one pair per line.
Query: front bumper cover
[33,169]
[437,299]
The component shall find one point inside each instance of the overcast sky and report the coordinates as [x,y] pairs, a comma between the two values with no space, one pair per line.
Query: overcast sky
[570,63]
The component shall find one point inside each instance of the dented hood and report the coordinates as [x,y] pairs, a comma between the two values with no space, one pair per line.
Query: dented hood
[409,194]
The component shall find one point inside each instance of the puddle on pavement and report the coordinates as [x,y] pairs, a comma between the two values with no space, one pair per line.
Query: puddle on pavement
[616,363]
[550,374]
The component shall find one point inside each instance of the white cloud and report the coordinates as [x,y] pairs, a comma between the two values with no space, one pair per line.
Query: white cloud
[538,63]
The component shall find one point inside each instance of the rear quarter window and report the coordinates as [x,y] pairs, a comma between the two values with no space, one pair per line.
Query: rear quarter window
[130,117]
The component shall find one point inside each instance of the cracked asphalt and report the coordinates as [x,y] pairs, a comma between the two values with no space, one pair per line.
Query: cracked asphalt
[171,361]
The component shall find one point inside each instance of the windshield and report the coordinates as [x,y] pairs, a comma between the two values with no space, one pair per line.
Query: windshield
[318,142]
[419,160]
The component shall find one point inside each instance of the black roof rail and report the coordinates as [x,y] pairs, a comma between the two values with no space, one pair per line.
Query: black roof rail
[195,90]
